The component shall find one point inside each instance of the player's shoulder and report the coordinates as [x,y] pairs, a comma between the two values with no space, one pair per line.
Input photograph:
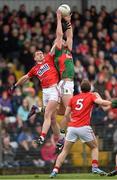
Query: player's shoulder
[35,66]
[75,96]
[49,56]
[95,94]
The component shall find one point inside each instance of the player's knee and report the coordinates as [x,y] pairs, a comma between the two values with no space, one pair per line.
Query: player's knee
[47,114]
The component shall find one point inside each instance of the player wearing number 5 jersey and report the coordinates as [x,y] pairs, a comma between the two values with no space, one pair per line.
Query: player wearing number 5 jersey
[78,116]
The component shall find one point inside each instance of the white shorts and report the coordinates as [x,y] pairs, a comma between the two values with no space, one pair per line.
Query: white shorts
[84,133]
[66,87]
[51,93]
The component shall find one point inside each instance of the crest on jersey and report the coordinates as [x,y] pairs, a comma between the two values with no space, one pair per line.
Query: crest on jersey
[43,69]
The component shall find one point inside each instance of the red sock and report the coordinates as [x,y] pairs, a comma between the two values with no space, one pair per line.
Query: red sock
[56,169]
[115,167]
[43,134]
[94,163]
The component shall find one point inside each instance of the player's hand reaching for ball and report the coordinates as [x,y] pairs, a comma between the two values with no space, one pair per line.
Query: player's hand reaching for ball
[59,15]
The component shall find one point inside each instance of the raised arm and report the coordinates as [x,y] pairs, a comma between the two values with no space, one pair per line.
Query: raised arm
[59,31]
[52,51]
[105,104]
[101,101]
[22,80]
[69,32]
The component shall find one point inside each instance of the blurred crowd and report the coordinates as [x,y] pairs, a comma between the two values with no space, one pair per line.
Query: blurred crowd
[95,57]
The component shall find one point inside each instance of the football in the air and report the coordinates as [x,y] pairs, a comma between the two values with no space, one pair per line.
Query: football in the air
[65,9]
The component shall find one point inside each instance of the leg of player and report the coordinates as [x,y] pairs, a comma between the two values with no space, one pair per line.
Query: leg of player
[61,158]
[66,91]
[49,110]
[94,153]
[55,127]
[60,144]
[66,99]
[66,88]
[114,172]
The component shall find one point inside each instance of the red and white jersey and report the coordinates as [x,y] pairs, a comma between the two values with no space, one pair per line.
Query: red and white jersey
[45,72]
[81,109]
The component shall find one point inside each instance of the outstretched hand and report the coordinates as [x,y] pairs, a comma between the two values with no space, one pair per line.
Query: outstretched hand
[59,15]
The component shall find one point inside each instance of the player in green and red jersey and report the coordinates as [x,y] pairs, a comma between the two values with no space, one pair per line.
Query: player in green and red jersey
[63,59]
[64,63]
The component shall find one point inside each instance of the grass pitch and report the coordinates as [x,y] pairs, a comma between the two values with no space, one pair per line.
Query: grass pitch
[79,176]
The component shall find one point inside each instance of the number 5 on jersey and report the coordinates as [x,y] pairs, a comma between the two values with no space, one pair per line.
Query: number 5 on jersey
[79,104]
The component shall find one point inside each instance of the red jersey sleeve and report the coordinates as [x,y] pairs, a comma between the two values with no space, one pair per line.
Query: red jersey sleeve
[49,57]
[94,97]
[31,72]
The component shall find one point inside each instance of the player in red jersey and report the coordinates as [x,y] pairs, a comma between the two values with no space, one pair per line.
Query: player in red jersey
[78,116]
[46,72]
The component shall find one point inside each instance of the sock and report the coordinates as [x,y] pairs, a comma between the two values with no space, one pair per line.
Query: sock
[43,135]
[56,169]
[94,163]
[115,167]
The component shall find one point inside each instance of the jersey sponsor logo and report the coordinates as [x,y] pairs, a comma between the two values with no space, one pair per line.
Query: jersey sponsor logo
[43,69]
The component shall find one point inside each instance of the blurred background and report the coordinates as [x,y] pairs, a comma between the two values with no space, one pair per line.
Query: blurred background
[29,24]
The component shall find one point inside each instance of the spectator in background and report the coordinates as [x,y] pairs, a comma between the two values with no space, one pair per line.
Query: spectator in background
[26,55]
[110,125]
[91,73]
[113,60]
[16,100]
[5,40]
[28,152]
[32,98]
[99,85]
[1,87]
[8,153]
[5,106]
[48,151]
[111,88]
[80,73]
[22,113]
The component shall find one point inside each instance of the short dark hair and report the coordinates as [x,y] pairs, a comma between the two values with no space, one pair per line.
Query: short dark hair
[85,86]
